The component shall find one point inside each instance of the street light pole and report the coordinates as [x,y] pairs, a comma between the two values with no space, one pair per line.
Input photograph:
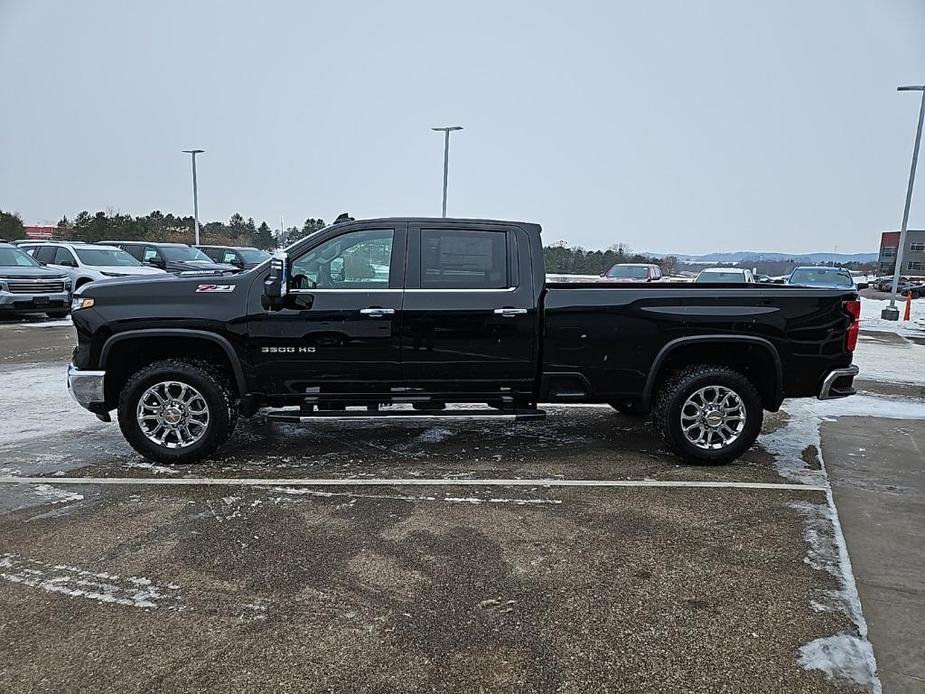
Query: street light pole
[193,153]
[891,312]
[446,157]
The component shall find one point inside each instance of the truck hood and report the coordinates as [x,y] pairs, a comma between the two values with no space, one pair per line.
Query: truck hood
[164,287]
[38,273]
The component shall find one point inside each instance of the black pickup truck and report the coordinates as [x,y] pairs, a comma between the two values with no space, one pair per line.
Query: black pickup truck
[364,315]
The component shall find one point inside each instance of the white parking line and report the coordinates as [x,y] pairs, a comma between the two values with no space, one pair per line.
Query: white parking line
[412,482]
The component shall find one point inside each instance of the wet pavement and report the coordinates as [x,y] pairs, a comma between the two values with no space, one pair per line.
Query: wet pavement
[293,586]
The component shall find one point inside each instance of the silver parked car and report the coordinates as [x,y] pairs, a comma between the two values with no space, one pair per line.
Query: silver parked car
[27,287]
[85,262]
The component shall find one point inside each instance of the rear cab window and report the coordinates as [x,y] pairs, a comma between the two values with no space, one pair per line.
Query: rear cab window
[456,259]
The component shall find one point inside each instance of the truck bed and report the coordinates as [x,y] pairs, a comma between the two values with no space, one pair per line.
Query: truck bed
[610,337]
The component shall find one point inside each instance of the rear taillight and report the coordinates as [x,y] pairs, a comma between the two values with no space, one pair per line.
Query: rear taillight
[853,309]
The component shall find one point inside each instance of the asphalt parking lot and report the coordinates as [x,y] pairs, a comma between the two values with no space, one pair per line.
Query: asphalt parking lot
[572,554]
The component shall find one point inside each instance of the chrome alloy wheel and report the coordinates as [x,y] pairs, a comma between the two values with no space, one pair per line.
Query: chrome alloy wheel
[172,414]
[713,417]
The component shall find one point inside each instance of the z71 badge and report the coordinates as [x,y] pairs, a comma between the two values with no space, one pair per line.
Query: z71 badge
[214,288]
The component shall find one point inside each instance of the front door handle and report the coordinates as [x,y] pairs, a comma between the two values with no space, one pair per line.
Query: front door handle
[377,312]
[510,312]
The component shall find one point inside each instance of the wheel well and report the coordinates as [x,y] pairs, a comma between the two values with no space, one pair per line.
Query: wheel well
[128,356]
[81,282]
[754,361]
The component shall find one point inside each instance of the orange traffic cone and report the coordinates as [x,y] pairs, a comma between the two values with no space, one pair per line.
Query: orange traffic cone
[907,314]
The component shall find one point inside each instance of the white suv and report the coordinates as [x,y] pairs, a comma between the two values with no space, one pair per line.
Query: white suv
[85,262]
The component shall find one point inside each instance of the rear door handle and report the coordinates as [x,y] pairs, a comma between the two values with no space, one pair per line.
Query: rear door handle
[377,312]
[510,312]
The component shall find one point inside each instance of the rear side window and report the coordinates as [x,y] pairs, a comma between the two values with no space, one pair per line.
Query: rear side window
[133,250]
[45,254]
[63,256]
[463,259]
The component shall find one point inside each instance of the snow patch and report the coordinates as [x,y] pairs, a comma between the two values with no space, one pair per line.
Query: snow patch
[801,431]
[156,469]
[871,320]
[74,582]
[843,657]
[63,323]
[434,435]
[34,403]
[55,495]
[298,491]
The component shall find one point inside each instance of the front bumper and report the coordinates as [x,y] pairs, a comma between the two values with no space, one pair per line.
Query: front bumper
[34,303]
[86,387]
[839,383]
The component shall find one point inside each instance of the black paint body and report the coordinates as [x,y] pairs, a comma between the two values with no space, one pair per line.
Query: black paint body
[564,342]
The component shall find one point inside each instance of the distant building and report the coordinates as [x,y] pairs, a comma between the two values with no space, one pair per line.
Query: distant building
[913,254]
[40,233]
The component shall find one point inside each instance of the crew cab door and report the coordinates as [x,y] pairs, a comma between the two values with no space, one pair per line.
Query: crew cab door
[470,319]
[339,329]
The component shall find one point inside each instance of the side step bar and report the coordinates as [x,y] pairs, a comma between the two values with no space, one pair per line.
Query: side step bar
[297,416]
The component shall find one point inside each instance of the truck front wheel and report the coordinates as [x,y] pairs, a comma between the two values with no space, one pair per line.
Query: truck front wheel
[177,411]
[708,414]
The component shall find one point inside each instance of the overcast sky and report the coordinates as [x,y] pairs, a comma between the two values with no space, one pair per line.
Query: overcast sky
[671,126]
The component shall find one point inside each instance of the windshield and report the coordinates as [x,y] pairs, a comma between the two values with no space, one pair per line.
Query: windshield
[13,257]
[822,277]
[634,272]
[252,255]
[182,253]
[102,257]
[721,277]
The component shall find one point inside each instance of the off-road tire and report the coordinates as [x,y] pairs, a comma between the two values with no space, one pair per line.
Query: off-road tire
[672,394]
[216,390]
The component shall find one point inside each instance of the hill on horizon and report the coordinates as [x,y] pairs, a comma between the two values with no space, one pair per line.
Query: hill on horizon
[749,256]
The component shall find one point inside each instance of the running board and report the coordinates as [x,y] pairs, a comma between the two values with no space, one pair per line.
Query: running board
[296,417]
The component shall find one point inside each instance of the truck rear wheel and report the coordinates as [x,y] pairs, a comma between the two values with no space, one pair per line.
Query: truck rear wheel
[708,414]
[177,411]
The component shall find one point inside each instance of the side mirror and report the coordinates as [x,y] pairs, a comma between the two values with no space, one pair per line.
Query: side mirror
[238,262]
[156,262]
[69,263]
[276,285]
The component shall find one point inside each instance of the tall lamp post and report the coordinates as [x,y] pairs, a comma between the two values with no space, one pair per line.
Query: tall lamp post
[446,157]
[891,312]
[193,153]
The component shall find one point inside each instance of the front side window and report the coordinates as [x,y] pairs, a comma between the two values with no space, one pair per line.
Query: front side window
[463,259]
[355,260]
[230,257]
[150,255]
